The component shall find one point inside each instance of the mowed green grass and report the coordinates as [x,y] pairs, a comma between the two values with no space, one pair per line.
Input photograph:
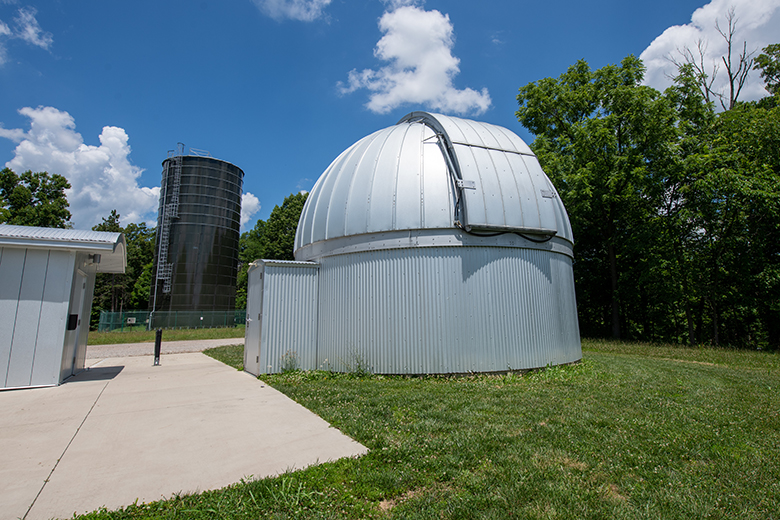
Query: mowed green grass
[232,355]
[634,431]
[145,336]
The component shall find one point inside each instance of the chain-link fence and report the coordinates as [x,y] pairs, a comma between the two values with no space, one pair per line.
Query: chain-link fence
[146,320]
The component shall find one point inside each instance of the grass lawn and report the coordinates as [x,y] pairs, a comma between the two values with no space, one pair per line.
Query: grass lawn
[143,336]
[634,431]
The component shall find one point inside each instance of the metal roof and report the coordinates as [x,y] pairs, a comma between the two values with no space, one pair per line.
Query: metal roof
[111,246]
[431,171]
[262,263]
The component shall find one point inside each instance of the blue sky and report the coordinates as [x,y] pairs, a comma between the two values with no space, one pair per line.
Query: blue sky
[99,91]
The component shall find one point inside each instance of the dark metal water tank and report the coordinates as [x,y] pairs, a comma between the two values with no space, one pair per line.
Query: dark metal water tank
[198,225]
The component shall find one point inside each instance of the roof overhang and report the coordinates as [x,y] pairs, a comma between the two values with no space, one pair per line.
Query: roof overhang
[111,247]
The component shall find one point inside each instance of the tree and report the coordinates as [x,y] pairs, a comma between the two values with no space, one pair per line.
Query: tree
[737,70]
[768,63]
[676,217]
[675,208]
[140,261]
[278,239]
[119,292]
[273,239]
[601,136]
[249,250]
[34,199]
[743,163]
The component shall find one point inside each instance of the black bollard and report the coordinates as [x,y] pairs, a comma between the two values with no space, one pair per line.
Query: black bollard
[157,346]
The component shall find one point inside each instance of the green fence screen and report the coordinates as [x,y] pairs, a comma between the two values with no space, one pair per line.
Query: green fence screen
[146,320]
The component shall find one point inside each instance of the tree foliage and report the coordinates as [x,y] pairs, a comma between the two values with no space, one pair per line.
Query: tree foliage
[675,208]
[128,291]
[33,199]
[603,138]
[768,62]
[273,239]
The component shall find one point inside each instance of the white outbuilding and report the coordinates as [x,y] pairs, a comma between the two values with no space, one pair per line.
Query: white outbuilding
[47,279]
[435,246]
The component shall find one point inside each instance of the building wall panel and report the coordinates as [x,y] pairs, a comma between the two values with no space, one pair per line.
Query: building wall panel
[53,319]
[11,269]
[86,311]
[254,310]
[28,314]
[289,317]
[447,310]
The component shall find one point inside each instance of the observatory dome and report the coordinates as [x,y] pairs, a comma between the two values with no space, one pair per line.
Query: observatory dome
[435,246]
[432,174]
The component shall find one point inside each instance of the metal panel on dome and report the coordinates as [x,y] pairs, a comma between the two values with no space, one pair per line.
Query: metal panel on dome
[393,179]
[381,204]
[498,194]
[408,204]
[491,189]
[477,133]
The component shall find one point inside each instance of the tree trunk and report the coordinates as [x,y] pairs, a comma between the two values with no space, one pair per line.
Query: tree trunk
[113,292]
[715,338]
[615,300]
[689,319]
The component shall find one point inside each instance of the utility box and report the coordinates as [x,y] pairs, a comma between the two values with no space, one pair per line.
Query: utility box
[281,316]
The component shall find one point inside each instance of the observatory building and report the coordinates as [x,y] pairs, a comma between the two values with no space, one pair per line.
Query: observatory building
[196,255]
[434,246]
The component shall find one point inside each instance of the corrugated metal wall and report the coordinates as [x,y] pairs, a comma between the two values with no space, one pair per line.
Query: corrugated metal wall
[34,298]
[288,331]
[447,310]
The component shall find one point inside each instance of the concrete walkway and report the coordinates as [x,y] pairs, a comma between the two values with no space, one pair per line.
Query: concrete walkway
[125,430]
[147,349]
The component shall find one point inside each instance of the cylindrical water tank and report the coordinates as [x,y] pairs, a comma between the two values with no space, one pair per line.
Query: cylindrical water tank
[198,229]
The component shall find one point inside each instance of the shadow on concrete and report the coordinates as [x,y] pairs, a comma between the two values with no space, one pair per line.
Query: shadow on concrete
[96,374]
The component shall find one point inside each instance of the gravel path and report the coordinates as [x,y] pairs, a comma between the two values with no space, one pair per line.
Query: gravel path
[147,349]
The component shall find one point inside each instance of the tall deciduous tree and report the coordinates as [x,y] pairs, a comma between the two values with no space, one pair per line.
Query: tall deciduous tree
[120,292]
[741,215]
[602,137]
[273,239]
[768,62]
[34,199]
[675,208]
[736,68]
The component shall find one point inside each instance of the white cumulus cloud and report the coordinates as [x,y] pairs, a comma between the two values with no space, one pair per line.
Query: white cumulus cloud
[249,206]
[417,46]
[102,177]
[302,10]
[757,23]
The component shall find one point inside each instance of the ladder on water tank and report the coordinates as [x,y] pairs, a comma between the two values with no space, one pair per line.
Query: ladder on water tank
[170,211]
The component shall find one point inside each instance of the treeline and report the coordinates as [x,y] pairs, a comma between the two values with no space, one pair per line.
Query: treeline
[128,291]
[675,207]
[271,239]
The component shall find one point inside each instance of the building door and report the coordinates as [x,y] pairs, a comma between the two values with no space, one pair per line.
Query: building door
[73,326]
[254,320]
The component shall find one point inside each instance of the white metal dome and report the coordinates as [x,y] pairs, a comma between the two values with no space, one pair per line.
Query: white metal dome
[429,172]
[435,246]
